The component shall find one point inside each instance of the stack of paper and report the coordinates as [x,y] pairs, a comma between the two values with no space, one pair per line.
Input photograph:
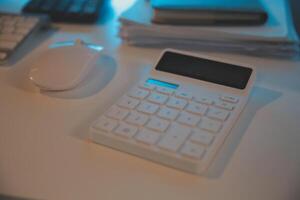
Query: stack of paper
[276,37]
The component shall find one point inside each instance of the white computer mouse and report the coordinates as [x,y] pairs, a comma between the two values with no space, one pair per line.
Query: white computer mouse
[64,65]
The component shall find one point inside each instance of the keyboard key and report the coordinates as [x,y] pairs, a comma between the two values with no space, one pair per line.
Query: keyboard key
[184,95]
[158,124]
[47,5]
[31,20]
[201,137]
[163,90]
[230,99]
[89,9]
[10,22]
[157,98]
[176,103]
[218,114]
[128,102]
[147,136]
[105,124]
[126,130]
[117,113]
[192,150]
[11,37]
[168,113]
[62,6]
[25,25]
[6,18]
[8,30]
[210,125]
[8,45]
[174,138]
[138,93]
[188,119]
[75,8]
[197,108]
[22,31]
[19,19]
[224,105]
[148,108]
[137,118]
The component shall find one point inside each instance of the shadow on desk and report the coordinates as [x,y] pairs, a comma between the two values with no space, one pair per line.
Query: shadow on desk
[259,98]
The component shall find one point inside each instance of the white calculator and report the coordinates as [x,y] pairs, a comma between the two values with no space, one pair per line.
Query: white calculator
[181,114]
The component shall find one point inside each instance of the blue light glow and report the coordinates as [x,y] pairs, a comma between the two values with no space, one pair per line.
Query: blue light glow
[162,83]
[120,6]
[72,43]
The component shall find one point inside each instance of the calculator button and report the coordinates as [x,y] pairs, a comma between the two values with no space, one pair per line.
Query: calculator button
[147,136]
[184,95]
[192,150]
[230,99]
[147,86]
[164,90]
[117,113]
[126,130]
[210,125]
[224,105]
[168,113]
[158,124]
[219,114]
[188,119]
[138,93]
[176,103]
[201,137]
[197,108]
[148,108]
[128,102]
[204,100]
[105,124]
[157,98]
[174,138]
[137,118]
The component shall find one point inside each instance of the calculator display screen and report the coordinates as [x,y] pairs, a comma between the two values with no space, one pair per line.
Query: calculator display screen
[203,69]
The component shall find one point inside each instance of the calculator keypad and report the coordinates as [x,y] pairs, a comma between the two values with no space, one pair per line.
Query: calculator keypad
[169,120]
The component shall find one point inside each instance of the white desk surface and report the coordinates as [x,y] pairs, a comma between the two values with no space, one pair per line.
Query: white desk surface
[44,153]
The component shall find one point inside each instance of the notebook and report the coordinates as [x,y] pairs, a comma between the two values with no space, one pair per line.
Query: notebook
[214,12]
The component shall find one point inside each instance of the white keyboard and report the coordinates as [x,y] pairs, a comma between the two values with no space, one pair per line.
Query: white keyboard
[170,123]
[14,29]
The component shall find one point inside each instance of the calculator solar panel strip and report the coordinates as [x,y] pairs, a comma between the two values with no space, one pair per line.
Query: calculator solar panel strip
[176,120]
